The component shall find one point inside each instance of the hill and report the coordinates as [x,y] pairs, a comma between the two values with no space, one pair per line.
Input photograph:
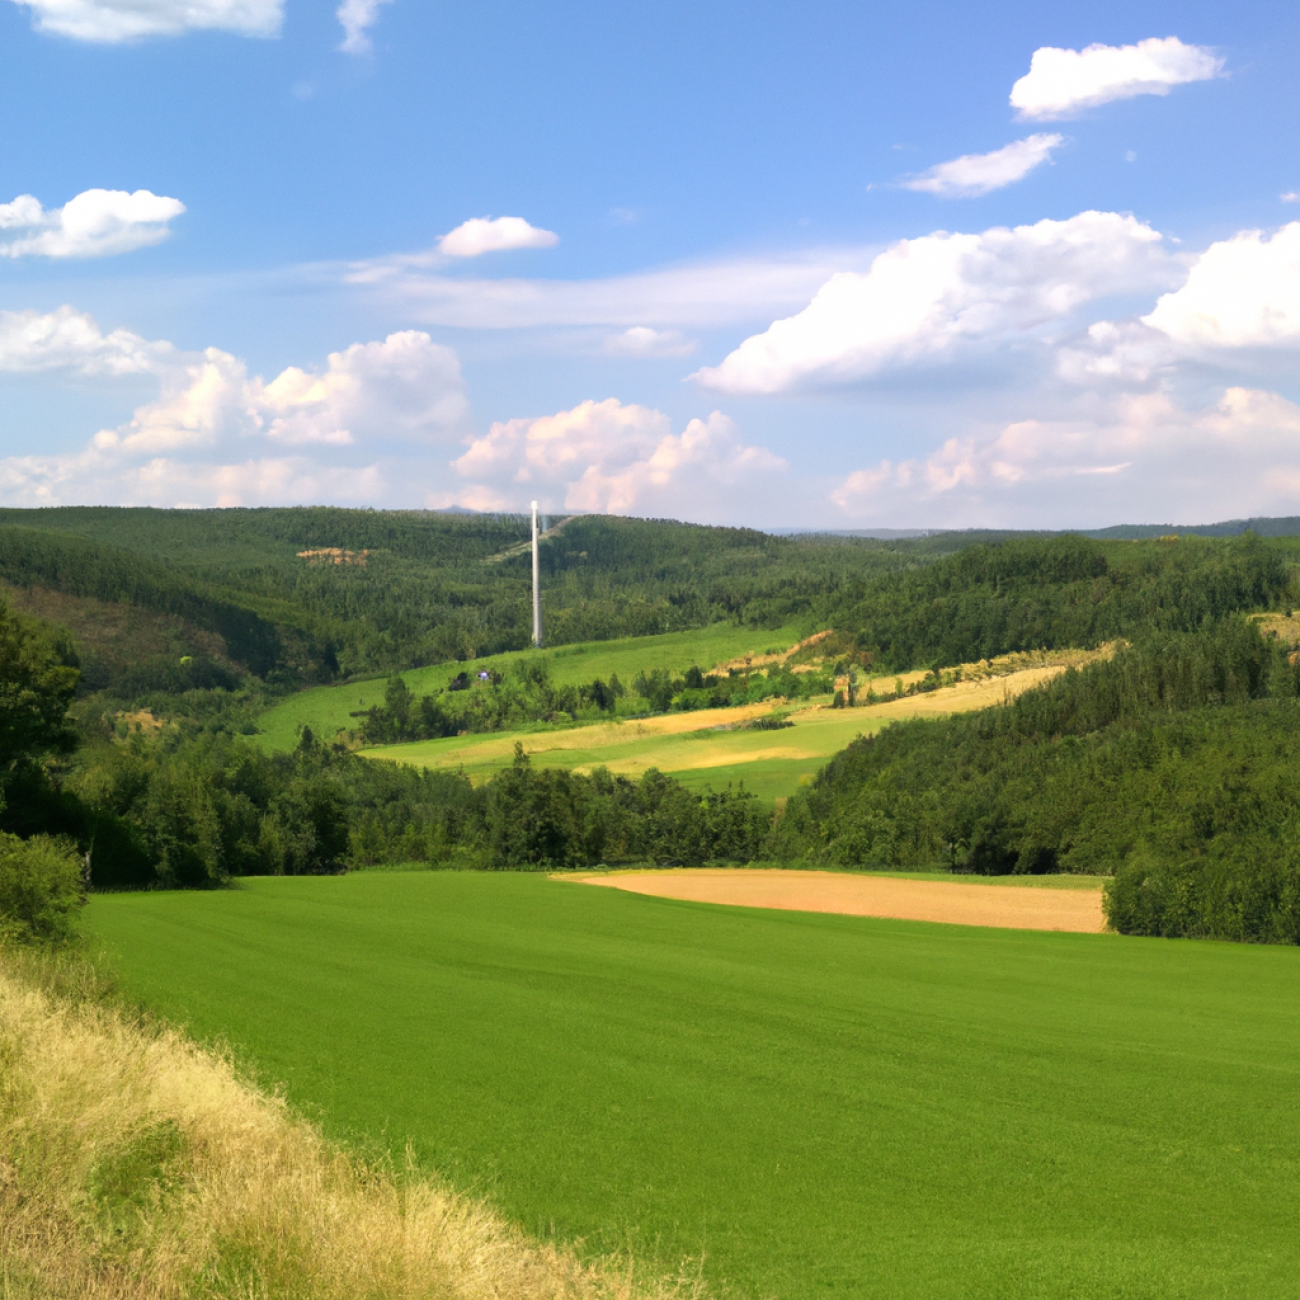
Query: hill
[354,591]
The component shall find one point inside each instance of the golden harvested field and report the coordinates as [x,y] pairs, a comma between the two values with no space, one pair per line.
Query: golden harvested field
[951,902]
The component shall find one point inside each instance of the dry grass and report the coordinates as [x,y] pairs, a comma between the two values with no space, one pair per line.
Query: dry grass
[135,1166]
[753,661]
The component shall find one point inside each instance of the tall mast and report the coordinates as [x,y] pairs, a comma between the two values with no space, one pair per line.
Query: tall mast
[537,587]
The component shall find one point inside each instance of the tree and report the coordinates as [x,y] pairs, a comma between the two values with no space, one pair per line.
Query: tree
[38,678]
[40,887]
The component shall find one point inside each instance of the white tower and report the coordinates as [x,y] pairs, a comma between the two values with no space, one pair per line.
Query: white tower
[537,587]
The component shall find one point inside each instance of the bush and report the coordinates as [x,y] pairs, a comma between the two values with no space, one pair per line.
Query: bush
[1246,890]
[40,888]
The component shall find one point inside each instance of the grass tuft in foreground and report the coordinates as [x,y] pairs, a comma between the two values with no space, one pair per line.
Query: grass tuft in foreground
[135,1165]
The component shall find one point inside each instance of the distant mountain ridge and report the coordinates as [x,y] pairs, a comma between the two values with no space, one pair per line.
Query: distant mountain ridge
[1262,526]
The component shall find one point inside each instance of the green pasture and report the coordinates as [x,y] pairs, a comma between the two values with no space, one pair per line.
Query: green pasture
[328,709]
[771,763]
[816,1105]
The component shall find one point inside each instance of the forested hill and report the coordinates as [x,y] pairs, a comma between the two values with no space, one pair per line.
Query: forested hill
[1055,592]
[169,600]
[390,590]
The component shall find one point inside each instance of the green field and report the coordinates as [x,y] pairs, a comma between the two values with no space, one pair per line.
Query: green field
[770,763]
[820,1105]
[328,709]
[694,748]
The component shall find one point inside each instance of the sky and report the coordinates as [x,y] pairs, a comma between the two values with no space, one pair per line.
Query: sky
[829,265]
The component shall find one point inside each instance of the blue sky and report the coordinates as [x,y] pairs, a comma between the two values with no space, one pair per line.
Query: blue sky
[791,266]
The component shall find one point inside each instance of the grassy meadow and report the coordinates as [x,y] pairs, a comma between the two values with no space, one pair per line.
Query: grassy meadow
[699,748]
[139,1167]
[329,709]
[685,745]
[816,1104]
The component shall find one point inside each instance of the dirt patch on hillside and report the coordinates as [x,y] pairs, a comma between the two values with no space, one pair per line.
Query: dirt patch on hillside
[335,555]
[958,903]
[775,657]
[661,724]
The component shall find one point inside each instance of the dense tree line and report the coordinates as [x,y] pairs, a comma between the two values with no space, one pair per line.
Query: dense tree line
[524,693]
[197,814]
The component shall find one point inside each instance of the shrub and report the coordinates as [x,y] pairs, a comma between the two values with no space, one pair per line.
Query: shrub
[40,888]
[1246,889]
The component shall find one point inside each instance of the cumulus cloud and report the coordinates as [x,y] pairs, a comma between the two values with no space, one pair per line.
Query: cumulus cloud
[1062,83]
[1123,353]
[494,235]
[97,223]
[406,388]
[214,433]
[922,297]
[113,21]
[70,340]
[980,173]
[357,17]
[1241,292]
[1143,457]
[610,457]
[642,341]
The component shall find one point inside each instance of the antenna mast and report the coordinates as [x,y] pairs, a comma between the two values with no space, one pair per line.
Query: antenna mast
[537,587]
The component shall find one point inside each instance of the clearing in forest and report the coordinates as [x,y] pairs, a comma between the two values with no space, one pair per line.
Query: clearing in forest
[714,746]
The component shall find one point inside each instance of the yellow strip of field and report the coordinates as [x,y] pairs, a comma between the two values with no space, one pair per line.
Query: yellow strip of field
[703,743]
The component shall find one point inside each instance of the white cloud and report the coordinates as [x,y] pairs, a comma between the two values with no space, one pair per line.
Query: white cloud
[1142,458]
[1291,196]
[406,388]
[922,297]
[96,223]
[357,17]
[1241,292]
[980,173]
[112,21]
[494,235]
[1062,83]
[212,434]
[1125,353]
[96,476]
[70,340]
[642,341]
[608,457]
[695,296]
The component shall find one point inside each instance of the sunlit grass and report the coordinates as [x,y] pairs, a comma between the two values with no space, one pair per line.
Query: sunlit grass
[820,1104]
[137,1167]
[706,748]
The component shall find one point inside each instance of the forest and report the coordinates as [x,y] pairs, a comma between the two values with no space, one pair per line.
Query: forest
[137,646]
